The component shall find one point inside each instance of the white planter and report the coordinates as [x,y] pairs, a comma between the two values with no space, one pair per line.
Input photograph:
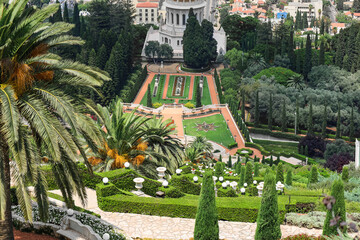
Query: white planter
[161,173]
[138,183]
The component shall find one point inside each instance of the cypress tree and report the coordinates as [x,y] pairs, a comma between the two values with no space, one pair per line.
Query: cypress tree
[238,167]
[302,44]
[351,133]
[92,58]
[290,51]
[298,62]
[316,39]
[305,20]
[198,96]
[248,173]
[267,52]
[57,17]
[220,158]
[268,222]
[338,123]
[206,221]
[324,123]
[306,151]
[76,21]
[271,161]
[242,176]
[297,116]
[149,97]
[280,173]
[247,136]
[345,174]
[283,118]
[66,13]
[229,163]
[257,114]
[270,112]
[101,57]
[310,120]
[322,27]
[263,161]
[314,175]
[322,53]
[338,208]
[256,170]
[308,58]
[289,178]
[218,169]
[243,105]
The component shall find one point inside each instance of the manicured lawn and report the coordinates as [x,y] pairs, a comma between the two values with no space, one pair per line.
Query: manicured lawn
[171,87]
[158,97]
[206,99]
[278,147]
[221,134]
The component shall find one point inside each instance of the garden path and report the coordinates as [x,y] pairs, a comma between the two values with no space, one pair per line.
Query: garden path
[176,115]
[144,87]
[155,227]
[191,89]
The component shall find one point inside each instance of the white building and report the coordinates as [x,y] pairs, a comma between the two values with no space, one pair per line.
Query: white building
[303,6]
[147,12]
[173,26]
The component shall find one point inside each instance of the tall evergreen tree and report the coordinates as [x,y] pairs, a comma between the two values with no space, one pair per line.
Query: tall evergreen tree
[66,13]
[289,177]
[92,58]
[280,173]
[270,112]
[351,131]
[324,123]
[257,114]
[356,6]
[283,118]
[242,177]
[322,53]
[248,173]
[209,41]
[308,58]
[243,105]
[229,163]
[322,27]
[198,96]
[149,97]
[290,51]
[316,39]
[76,20]
[101,57]
[338,123]
[338,209]
[310,120]
[206,221]
[305,20]
[268,222]
[297,116]
[298,62]
[314,175]
[57,17]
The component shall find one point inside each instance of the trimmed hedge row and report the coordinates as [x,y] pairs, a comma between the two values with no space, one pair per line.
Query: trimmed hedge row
[171,192]
[228,192]
[258,147]
[185,185]
[109,190]
[275,134]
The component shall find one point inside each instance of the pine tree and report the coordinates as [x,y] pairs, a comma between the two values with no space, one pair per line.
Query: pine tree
[101,57]
[242,177]
[270,112]
[310,120]
[338,208]
[297,116]
[243,105]
[345,174]
[308,58]
[229,163]
[198,96]
[283,118]
[257,114]
[149,97]
[324,123]
[76,21]
[322,53]
[92,58]
[248,173]
[256,169]
[314,175]
[338,123]
[206,221]
[57,17]
[268,222]
[66,13]
[352,128]
[289,178]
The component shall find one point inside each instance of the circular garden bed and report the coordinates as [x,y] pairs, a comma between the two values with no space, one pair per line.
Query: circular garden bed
[244,152]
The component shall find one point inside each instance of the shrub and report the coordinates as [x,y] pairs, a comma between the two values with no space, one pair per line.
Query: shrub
[248,173]
[303,236]
[206,223]
[314,175]
[157,105]
[280,74]
[249,152]
[185,185]
[337,161]
[345,174]
[238,168]
[338,209]
[310,220]
[189,105]
[242,177]
[219,169]
[256,169]
[280,173]
[228,192]
[289,178]
[268,222]
[354,195]
[171,192]
[315,146]
[232,145]
[339,146]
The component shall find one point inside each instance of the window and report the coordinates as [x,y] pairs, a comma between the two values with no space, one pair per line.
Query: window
[172,18]
[152,19]
[166,40]
[177,19]
[183,20]
[181,42]
[146,14]
[152,14]
[140,10]
[146,19]
[146,10]
[140,19]
[152,10]
[178,42]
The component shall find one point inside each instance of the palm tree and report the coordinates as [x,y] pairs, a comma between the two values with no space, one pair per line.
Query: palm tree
[296,81]
[203,145]
[39,111]
[257,60]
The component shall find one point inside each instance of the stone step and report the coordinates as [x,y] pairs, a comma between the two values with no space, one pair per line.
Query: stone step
[71,234]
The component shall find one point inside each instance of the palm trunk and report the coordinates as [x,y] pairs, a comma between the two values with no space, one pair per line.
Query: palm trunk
[6,227]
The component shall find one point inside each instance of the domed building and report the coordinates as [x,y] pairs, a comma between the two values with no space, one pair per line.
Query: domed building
[173,24]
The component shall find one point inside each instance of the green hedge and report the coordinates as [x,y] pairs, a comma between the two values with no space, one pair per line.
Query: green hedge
[194,70]
[109,190]
[288,136]
[185,185]
[258,147]
[250,152]
[171,192]
[228,192]
[232,145]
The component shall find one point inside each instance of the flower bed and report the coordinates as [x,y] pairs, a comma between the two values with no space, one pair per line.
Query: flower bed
[244,152]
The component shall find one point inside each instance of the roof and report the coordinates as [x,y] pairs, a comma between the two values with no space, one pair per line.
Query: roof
[237,9]
[260,10]
[147,5]
[249,11]
[338,25]
[261,2]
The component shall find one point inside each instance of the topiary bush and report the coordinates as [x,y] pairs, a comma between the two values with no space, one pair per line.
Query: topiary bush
[289,178]
[171,192]
[206,222]
[256,169]
[228,192]
[185,185]
[268,222]
[248,173]
[280,173]
[314,175]
[345,174]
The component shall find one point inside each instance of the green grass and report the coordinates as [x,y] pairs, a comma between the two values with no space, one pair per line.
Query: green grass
[221,134]
[278,147]
[206,98]
[171,87]
[158,97]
